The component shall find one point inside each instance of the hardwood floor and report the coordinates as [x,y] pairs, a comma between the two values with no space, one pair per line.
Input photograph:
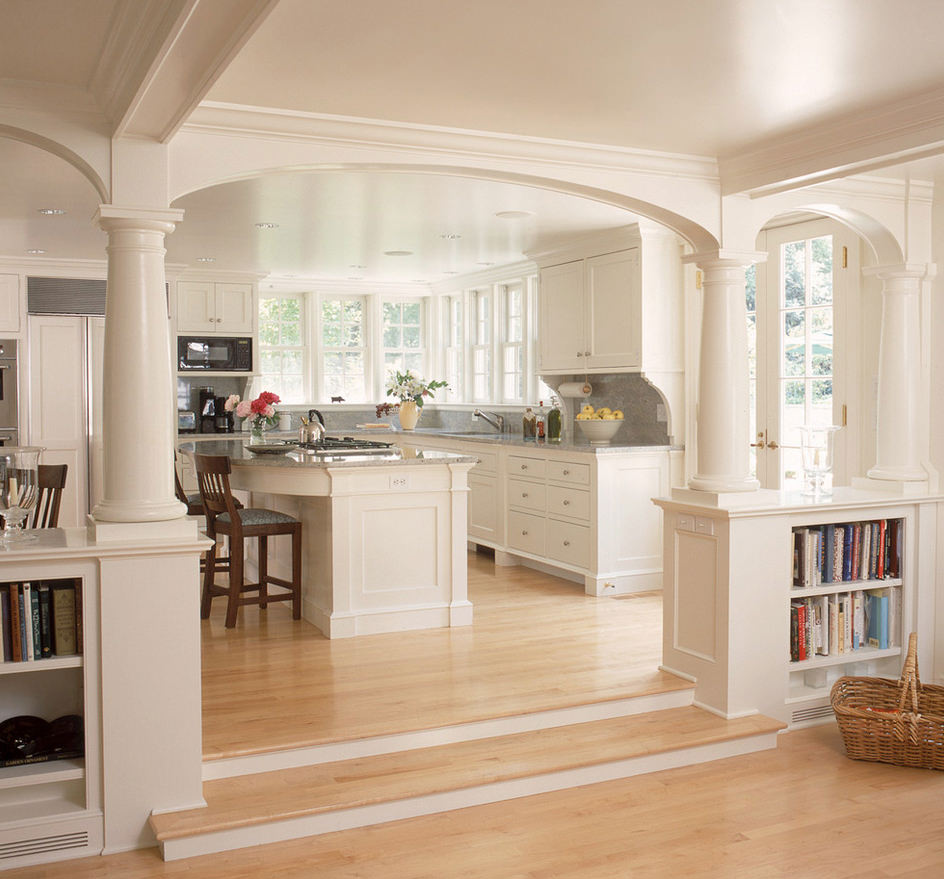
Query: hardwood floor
[803,810]
[538,643]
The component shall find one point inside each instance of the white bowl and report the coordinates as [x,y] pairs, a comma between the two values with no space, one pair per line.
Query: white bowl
[598,431]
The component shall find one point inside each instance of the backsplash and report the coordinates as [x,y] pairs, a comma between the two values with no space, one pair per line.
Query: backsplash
[627,391]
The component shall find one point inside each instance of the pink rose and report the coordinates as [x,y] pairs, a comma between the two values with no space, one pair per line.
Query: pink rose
[231,402]
[269,411]
[244,409]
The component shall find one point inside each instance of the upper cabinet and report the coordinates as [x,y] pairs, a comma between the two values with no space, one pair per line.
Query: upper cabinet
[611,305]
[9,303]
[214,307]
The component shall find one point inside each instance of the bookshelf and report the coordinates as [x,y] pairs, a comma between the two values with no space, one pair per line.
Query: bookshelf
[51,808]
[734,573]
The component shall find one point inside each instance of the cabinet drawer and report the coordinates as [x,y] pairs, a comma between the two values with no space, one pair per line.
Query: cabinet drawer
[568,543]
[564,471]
[570,502]
[526,532]
[530,467]
[488,461]
[530,495]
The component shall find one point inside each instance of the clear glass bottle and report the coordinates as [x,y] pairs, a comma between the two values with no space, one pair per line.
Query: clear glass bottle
[540,422]
[529,424]
[554,422]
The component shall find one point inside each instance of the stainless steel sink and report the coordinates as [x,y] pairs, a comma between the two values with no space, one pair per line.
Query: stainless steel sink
[488,437]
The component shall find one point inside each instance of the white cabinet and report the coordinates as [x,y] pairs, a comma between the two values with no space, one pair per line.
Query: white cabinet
[213,307]
[9,303]
[590,314]
[53,810]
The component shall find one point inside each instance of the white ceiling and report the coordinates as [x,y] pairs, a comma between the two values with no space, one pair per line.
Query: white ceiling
[707,77]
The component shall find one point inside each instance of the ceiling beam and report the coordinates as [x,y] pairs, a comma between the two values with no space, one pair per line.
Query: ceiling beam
[162,57]
[889,135]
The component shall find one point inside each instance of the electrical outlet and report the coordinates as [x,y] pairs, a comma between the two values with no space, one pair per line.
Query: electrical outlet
[660,411]
[398,482]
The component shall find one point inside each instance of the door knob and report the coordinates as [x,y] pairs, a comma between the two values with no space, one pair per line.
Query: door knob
[772,445]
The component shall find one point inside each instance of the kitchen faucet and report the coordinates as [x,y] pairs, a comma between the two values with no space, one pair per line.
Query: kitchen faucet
[497,421]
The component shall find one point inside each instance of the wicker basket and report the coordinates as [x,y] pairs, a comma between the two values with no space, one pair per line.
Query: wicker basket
[900,722]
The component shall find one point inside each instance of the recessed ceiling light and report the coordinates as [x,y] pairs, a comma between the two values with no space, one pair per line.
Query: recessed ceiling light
[450,236]
[450,273]
[514,215]
[267,225]
[35,251]
[355,277]
[419,280]
[398,253]
[485,263]
[206,259]
[51,212]
[356,267]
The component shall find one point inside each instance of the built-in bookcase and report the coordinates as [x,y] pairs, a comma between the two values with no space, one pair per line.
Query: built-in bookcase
[845,607]
[51,808]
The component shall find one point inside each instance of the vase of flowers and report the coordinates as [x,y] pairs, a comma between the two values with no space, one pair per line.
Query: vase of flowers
[260,413]
[410,391]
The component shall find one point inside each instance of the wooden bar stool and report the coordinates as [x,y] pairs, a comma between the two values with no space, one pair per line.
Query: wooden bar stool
[224,517]
[194,504]
[51,479]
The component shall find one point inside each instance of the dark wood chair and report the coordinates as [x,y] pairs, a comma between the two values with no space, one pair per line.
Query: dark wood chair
[52,481]
[194,504]
[239,525]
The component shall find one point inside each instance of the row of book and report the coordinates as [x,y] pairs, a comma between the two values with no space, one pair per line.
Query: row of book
[846,552]
[831,625]
[40,620]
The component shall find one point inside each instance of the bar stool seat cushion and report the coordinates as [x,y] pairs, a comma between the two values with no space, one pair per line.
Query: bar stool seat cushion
[251,516]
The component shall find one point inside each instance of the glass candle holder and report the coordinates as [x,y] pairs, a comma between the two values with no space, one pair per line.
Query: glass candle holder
[817,445]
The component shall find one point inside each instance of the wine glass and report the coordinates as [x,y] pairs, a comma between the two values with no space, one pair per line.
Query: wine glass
[19,489]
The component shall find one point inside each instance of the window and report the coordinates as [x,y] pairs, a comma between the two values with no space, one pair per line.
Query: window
[343,348]
[453,342]
[481,346]
[403,344]
[282,347]
[512,343]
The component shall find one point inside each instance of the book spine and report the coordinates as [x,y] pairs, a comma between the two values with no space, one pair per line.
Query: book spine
[866,552]
[846,552]
[6,642]
[79,639]
[23,618]
[45,621]
[17,653]
[829,554]
[883,536]
[856,551]
[63,613]
[34,623]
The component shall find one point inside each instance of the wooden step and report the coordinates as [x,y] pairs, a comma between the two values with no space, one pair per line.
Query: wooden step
[291,803]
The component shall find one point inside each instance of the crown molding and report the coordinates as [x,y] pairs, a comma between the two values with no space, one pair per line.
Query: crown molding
[486,277]
[342,286]
[212,117]
[870,140]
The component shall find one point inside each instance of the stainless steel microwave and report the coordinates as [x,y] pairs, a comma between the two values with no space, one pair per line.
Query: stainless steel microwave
[214,353]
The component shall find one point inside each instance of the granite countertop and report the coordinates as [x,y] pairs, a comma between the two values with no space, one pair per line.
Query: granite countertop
[235,447]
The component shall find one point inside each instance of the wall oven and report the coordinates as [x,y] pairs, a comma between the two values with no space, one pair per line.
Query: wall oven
[214,354]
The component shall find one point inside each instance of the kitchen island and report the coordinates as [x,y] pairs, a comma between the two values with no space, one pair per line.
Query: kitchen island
[384,538]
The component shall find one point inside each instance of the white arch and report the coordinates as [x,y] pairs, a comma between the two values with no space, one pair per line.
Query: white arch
[63,152]
[696,235]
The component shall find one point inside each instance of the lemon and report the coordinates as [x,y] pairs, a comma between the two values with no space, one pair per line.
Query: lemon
[609,417]
[618,414]
[587,409]
[604,411]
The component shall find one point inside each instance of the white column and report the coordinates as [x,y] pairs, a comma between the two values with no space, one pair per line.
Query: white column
[897,442]
[722,419]
[138,404]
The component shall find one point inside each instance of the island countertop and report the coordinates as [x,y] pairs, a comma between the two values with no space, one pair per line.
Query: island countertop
[235,447]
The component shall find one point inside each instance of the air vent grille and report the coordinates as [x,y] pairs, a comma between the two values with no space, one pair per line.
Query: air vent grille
[805,715]
[65,296]
[43,844]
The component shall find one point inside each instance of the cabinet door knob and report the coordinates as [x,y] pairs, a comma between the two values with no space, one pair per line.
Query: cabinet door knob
[580,353]
[524,466]
[566,543]
[586,353]
[524,533]
[566,503]
[566,473]
[524,494]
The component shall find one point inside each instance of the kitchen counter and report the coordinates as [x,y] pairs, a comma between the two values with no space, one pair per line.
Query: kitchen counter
[383,538]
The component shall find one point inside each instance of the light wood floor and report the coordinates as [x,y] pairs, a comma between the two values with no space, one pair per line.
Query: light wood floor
[802,810]
[538,642]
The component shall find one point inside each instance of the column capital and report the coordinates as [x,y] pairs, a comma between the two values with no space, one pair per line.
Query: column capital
[919,270]
[164,220]
[725,258]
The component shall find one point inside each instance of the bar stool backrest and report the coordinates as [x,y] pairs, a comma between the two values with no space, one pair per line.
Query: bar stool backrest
[213,478]
[52,481]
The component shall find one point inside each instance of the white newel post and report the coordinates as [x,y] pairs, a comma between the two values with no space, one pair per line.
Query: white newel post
[723,418]
[897,441]
[138,464]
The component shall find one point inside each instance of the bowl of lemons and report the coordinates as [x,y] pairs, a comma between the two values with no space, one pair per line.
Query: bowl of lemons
[599,426]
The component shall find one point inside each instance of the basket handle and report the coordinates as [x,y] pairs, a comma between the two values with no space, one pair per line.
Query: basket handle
[909,676]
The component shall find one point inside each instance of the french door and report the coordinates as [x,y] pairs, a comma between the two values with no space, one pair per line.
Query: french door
[801,330]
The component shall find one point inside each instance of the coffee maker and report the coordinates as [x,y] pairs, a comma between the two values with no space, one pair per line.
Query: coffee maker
[207,410]
[223,421]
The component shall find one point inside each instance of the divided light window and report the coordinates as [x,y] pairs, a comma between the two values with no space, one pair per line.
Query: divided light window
[282,347]
[453,336]
[512,343]
[344,348]
[403,346]
[481,346]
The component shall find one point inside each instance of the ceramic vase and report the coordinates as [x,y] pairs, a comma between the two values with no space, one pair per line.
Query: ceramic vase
[409,414]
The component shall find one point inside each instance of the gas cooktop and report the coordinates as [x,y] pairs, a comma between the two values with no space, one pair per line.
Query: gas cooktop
[342,446]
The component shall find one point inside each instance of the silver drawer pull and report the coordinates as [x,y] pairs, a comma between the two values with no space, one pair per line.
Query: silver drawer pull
[566,503]
[566,543]
[524,466]
[524,533]
[566,473]
[524,494]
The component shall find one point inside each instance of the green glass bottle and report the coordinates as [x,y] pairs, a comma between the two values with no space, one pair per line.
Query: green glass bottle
[554,422]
